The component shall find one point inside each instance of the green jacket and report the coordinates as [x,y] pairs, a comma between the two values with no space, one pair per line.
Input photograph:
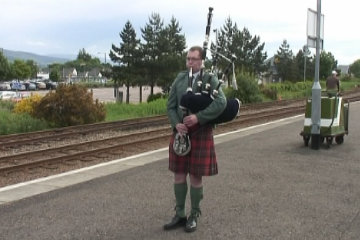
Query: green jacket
[178,88]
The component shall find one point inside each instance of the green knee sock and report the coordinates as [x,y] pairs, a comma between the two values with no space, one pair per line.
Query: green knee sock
[180,190]
[196,194]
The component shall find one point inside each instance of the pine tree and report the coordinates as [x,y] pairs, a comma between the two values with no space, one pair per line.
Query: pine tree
[4,68]
[173,56]
[152,48]
[249,52]
[127,56]
[283,60]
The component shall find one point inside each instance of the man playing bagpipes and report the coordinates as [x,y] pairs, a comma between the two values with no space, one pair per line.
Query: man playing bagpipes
[196,102]
[201,159]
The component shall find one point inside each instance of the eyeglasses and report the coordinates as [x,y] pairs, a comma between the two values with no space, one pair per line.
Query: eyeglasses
[192,59]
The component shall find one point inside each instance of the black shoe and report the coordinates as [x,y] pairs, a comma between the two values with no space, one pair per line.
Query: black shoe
[175,223]
[191,223]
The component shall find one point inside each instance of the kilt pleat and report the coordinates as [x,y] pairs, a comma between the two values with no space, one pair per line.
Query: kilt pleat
[201,160]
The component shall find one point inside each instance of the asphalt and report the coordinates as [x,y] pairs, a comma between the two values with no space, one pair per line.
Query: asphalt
[269,186]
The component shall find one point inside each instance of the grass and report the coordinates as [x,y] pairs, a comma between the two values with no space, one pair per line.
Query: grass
[120,111]
[17,123]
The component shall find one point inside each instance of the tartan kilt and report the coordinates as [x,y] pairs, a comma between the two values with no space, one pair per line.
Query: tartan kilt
[201,160]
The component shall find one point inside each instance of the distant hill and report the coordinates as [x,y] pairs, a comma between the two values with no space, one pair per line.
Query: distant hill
[41,60]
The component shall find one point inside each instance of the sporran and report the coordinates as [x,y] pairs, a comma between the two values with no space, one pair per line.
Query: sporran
[182,144]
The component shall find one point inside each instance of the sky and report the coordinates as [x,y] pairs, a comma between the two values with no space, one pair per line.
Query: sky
[63,27]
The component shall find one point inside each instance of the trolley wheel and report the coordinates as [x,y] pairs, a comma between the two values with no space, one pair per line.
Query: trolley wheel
[306,140]
[329,140]
[339,139]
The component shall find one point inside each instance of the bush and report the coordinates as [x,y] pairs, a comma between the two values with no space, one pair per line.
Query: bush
[27,105]
[69,105]
[269,92]
[248,90]
[154,97]
[286,90]
[345,78]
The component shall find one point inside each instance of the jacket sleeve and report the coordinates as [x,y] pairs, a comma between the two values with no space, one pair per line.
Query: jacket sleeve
[172,105]
[217,106]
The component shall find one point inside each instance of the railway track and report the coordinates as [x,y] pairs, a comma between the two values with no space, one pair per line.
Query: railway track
[14,140]
[135,136]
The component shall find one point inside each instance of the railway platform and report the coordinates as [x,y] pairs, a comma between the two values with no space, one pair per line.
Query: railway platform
[269,186]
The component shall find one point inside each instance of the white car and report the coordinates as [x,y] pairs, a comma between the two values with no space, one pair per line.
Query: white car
[5,86]
[40,85]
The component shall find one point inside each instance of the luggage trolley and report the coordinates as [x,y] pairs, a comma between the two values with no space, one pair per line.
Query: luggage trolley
[334,119]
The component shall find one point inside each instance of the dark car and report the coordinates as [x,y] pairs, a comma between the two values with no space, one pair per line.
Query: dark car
[50,85]
[30,86]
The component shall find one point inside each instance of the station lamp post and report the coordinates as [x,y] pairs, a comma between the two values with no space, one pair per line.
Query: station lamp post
[316,41]
[306,53]
[104,55]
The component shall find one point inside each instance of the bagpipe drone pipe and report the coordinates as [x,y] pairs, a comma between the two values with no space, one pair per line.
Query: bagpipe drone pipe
[195,102]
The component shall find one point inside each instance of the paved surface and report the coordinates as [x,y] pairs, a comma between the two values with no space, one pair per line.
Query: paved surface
[107,94]
[269,187]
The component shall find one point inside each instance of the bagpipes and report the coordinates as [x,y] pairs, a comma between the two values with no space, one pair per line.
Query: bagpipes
[194,102]
[203,97]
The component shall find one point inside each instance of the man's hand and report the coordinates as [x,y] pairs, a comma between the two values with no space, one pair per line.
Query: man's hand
[181,128]
[190,120]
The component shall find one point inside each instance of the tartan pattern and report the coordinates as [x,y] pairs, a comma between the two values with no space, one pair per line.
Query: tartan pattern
[201,160]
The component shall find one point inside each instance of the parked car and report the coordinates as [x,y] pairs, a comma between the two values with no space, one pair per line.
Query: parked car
[40,85]
[50,84]
[30,86]
[5,86]
[17,86]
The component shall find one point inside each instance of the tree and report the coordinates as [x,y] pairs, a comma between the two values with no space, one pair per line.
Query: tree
[4,68]
[173,56]
[355,68]
[84,62]
[54,75]
[83,55]
[55,71]
[20,70]
[126,55]
[283,61]
[248,50]
[300,63]
[253,53]
[34,69]
[327,64]
[226,44]
[176,41]
[154,36]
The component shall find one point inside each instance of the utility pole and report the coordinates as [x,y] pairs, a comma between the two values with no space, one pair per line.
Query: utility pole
[316,89]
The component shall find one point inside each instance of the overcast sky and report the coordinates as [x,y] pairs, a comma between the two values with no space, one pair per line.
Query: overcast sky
[50,27]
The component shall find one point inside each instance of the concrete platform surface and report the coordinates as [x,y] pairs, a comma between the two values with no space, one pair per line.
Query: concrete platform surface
[269,186]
